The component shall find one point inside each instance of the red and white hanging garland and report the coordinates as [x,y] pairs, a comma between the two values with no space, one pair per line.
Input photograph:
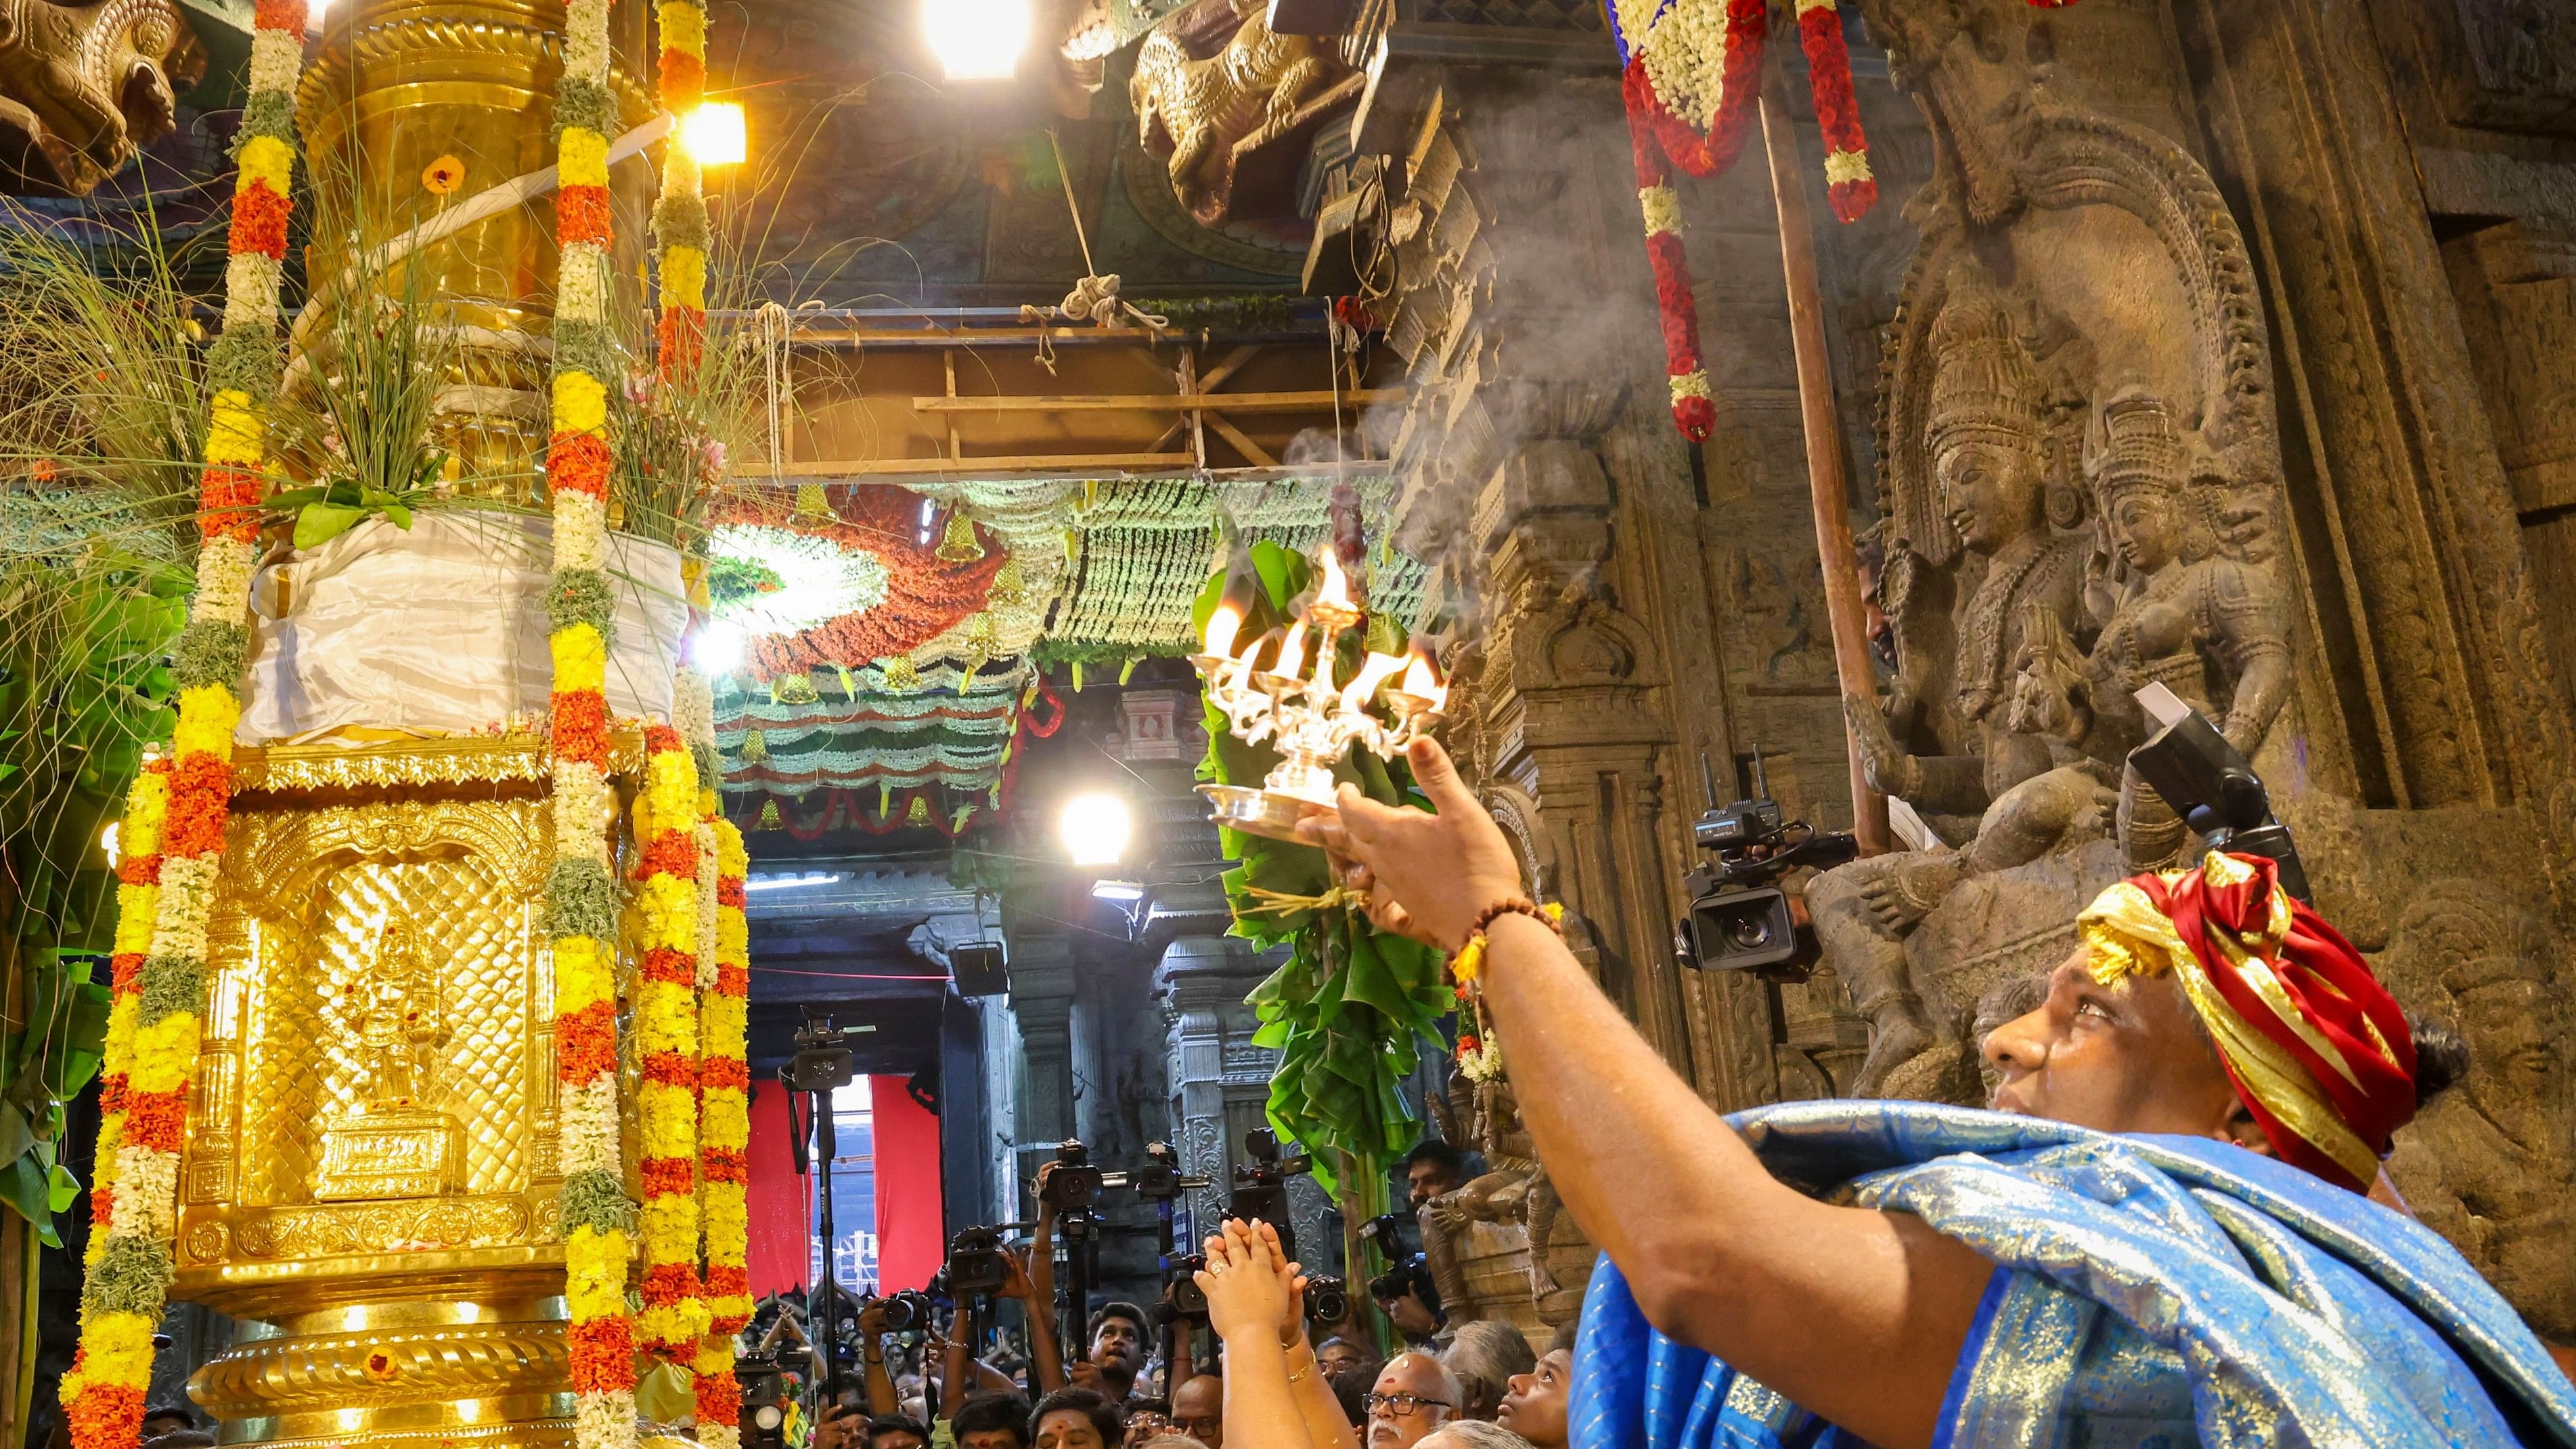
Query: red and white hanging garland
[1692,78]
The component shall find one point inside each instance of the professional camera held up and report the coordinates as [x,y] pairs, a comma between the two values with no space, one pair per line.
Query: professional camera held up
[1741,918]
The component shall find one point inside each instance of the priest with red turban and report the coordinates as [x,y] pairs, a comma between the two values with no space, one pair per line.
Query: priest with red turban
[2164,1235]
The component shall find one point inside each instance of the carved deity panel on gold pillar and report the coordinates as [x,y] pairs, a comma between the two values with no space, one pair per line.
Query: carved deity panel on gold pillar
[371,1175]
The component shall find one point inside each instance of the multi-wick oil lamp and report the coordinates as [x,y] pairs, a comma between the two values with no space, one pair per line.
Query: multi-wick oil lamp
[1271,692]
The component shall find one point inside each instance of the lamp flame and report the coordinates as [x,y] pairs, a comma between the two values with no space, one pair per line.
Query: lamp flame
[1422,681]
[1222,626]
[1378,669]
[1292,651]
[1336,589]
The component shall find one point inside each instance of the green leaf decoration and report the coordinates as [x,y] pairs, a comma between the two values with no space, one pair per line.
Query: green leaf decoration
[318,523]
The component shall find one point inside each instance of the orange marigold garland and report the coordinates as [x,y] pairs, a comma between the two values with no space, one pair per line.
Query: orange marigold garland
[680,215]
[724,1077]
[598,1221]
[666,1039]
[175,813]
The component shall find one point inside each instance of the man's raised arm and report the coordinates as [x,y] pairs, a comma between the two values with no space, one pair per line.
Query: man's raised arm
[1858,1316]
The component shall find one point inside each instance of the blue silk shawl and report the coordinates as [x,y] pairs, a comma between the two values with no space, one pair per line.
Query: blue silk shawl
[2153,1292]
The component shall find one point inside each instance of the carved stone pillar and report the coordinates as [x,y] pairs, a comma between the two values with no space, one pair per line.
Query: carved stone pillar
[1568,700]
[1042,992]
[1202,981]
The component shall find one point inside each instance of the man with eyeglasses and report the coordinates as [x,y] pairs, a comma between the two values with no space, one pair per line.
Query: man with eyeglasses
[1415,1394]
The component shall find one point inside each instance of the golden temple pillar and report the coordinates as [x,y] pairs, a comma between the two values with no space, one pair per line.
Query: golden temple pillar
[369,1186]
[399,84]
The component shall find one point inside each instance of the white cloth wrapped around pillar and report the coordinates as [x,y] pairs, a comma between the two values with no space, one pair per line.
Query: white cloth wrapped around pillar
[441,629]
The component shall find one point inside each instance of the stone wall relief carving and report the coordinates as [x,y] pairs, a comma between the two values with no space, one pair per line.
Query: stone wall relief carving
[2487,1164]
[85,87]
[2081,469]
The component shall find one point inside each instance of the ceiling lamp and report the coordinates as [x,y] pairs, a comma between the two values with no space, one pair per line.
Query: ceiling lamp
[1095,829]
[978,39]
[716,134]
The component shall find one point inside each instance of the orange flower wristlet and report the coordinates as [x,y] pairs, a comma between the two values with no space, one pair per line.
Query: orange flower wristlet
[1479,1054]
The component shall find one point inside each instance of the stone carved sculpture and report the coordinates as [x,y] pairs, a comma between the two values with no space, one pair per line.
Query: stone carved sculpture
[1988,437]
[2487,1164]
[85,87]
[1498,1200]
[2117,261]
[1209,113]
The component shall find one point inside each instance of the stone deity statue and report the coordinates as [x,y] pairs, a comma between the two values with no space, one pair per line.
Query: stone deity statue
[2487,1164]
[1988,444]
[1499,1197]
[2191,611]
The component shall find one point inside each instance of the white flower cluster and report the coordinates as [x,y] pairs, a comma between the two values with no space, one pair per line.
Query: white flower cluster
[1685,55]
[581,283]
[187,898]
[581,812]
[693,706]
[1663,208]
[250,290]
[707,881]
[147,1193]
[605,1420]
[720,1436]
[1690,385]
[1842,166]
[586,1130]
[586,47]
[581,531]
[680,176]
[1484,1063]
[223,580]
[276,57]
[819,579]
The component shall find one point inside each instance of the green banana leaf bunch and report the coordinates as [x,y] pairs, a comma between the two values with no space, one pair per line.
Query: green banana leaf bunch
[1350,1008]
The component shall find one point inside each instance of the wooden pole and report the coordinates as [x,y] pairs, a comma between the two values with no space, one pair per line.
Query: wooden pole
[1825,480]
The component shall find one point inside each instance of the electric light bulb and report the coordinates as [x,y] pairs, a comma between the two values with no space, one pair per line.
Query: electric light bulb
[1095,829]
[718,648]
[716,134]
[977,39]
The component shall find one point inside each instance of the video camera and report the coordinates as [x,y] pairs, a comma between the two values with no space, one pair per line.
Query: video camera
[1261,1186]
[1182,1296]
[1408,1269]
[978,1265]
[2213,787]
[763,1421]
[822,1062]
[1740,919]
[1076,1183]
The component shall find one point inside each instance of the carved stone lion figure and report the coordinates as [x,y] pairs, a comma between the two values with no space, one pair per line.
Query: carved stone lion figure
[1207,112]
[85,87]
[2487,1163]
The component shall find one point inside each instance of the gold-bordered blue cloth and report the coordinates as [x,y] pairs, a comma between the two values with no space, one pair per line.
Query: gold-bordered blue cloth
[2149,1293]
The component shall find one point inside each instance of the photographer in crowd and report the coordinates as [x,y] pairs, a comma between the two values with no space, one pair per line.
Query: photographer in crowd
[2202,1102]
[1118,1333]
[1433,1169]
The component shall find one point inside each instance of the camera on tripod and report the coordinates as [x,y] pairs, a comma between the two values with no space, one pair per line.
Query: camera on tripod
[1740,919]
[1261,1185]
[822,1062]
[1160,1179]
[1182,1296]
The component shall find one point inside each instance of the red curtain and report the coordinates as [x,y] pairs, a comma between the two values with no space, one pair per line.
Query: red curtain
[779,1199]
[911,1232]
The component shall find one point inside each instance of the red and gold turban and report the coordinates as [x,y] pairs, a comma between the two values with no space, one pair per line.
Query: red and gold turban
[2317,1048]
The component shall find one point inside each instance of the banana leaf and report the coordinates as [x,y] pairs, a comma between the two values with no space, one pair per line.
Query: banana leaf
[1349,1008]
